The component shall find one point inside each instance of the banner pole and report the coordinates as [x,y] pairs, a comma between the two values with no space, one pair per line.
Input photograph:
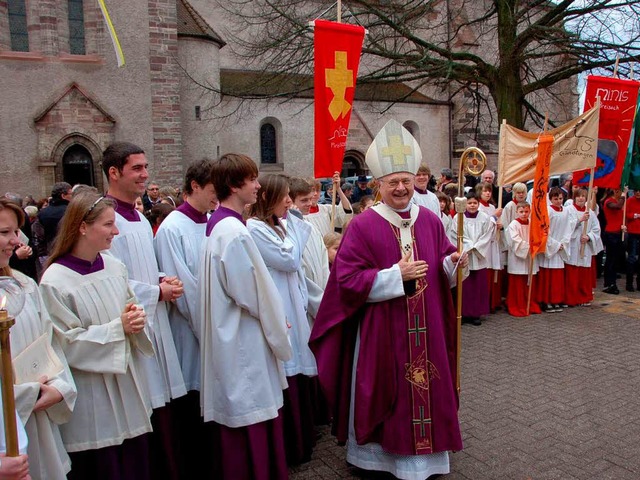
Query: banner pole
[586,223]
[339,11]
[624,211]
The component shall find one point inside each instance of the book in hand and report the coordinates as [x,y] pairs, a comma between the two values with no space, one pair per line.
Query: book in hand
[37,360]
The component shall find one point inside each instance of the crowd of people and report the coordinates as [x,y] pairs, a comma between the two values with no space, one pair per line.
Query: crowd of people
[215,334]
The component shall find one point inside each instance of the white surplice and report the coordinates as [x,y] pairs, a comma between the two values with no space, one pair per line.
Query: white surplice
[495,255]
[593,246]
[315,259]
[133,246]
[428,200]
[178,244]
[243,337]
[283,257]
[48,458]
[322,218]
[112,403]
[518,254]
[477,237]
[561,226]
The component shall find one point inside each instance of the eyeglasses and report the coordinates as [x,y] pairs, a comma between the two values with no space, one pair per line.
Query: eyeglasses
[153,189]
[395,183]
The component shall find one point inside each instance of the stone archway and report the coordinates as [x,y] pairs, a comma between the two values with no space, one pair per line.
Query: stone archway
[353,164]
[78,160]
[77,166]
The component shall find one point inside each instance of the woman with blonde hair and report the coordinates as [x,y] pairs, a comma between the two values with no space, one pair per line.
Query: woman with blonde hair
[101,330]
[281,244]
[45,403]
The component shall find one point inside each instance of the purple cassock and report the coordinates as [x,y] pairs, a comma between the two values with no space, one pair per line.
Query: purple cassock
[405,396]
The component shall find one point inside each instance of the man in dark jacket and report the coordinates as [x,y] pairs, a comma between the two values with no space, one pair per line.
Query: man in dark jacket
[50,216]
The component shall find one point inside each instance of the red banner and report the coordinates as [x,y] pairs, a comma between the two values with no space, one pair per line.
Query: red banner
[539,213]
[337,50]
[617,108]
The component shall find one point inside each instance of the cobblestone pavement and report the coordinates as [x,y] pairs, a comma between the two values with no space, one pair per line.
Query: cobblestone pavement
[551,396]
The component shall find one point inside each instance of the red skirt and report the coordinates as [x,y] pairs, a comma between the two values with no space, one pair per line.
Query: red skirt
[551,288]
[579,285]
[496,278]
[517,296]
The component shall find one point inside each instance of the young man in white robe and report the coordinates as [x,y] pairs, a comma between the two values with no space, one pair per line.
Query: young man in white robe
[243,336]
[178,244]
[320,215]
[125,166]
[421,194]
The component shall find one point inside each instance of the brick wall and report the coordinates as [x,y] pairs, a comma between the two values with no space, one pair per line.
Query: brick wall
[167,164]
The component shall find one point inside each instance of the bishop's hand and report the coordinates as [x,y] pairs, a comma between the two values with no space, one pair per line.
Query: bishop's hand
[411,270]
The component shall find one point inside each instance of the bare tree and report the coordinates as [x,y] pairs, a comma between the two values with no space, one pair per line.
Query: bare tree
[508,55]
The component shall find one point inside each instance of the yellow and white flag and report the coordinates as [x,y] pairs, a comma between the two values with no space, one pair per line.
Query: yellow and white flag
[112,33]
[575,147]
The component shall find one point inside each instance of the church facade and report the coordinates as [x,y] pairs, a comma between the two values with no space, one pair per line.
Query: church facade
[64,99]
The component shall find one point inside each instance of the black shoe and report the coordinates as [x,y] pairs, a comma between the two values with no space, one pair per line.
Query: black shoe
[630,288]
[612,289]
[475,321]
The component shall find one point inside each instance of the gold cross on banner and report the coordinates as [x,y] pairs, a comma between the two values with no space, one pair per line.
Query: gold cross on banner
[338,79]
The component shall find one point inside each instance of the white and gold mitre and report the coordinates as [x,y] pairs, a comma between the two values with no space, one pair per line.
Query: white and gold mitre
[393,150]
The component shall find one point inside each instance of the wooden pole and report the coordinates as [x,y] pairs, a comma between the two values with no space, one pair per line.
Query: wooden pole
[8,399]
[461,207]
[339,11]
[530,281]
[586,224]
[624,211]
[333,205]
[615,67]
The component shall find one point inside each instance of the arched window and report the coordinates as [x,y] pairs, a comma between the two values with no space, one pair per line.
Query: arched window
[413,129]
[76,27]
[268,144]
[18,25]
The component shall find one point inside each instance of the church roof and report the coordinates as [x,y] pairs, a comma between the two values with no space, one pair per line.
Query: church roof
[191,24]
[255,84]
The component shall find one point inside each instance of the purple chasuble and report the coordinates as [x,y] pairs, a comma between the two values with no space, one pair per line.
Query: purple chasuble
[78,265]
[220,214]
[405,398]
[126,210]
[187,209]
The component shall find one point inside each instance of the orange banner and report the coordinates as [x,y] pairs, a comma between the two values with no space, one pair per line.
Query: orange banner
[337,49]
[539,210]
